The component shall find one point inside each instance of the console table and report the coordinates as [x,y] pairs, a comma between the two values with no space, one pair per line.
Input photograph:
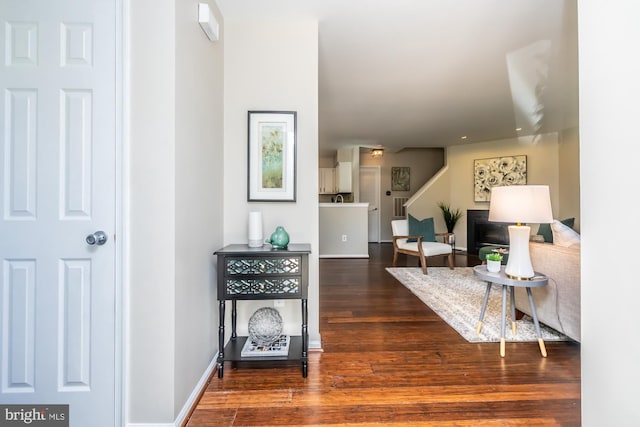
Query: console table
[502,279]
[263,273]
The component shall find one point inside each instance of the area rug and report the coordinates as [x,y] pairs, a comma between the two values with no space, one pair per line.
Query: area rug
[457,295]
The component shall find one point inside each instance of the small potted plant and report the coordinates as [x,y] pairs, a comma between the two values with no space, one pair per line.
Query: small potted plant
[450,216]
[494,261]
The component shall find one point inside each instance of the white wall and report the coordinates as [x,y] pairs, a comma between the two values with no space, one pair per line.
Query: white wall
[198,164]
[273,66]
[151,319]
[344,219]
[569,177]
[609,111]
[175,223]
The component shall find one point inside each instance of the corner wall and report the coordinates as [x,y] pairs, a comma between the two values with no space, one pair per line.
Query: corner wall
[151,282]
[175,215]
[569,177]
[609,108]
[199,145]
[273,65]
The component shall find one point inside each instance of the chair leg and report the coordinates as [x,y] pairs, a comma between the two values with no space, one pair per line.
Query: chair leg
[451,261]
[423,264]
[395,257]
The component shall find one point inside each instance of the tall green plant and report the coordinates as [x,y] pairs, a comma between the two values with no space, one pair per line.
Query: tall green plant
[450,216]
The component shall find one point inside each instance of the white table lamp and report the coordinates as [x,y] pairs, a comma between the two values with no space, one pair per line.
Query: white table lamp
[520,204]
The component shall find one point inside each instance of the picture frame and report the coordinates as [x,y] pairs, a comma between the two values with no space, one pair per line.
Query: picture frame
[497,171]
[400,178]
[271,173]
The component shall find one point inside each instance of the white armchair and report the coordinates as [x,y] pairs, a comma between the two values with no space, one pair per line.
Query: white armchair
[400,230]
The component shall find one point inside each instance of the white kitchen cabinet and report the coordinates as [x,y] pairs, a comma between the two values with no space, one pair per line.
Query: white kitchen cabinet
[327,181]
[343,177]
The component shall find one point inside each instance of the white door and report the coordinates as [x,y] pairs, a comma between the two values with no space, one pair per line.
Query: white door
[57,183]
[370,193]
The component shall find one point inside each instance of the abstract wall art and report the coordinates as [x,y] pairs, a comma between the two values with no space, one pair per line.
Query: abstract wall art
[497,171]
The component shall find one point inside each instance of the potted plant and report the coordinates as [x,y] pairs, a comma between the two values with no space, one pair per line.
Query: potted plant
[450,216]
[494,261]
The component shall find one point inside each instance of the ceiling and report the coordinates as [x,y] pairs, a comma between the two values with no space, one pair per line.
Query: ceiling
[435,73]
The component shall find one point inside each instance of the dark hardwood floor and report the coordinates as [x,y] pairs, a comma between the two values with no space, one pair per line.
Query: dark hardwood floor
[389,360]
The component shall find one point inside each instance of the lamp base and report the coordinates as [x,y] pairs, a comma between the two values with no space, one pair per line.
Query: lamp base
[519,264]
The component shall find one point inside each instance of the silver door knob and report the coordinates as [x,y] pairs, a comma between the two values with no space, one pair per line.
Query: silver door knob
[98,238]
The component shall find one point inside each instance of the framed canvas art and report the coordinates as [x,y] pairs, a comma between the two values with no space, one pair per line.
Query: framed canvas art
[272,156]
[400,178]
[497,171]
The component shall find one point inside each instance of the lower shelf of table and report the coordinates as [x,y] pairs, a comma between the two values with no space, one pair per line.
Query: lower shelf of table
[233,351]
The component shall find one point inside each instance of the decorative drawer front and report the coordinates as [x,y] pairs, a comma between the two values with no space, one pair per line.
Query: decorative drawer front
[262,266]
[279,286]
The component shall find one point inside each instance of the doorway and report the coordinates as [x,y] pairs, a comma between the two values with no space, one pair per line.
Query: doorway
[370,193]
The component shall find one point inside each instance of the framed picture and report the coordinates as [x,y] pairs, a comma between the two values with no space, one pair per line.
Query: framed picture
[497,171]
[272,156]
[400,178]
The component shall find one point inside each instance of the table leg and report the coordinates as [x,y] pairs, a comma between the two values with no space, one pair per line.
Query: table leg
[234,316]
[504,321]
[305,337]
[221,338]
[543,349]
[513,309]
[484,308]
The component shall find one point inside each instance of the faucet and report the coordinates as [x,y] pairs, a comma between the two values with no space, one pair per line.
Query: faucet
[340,197]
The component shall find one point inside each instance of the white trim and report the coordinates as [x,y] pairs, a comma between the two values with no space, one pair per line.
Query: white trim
[344,256]
[122,228]
[120,321]
[426,186]
[150,425]
[202,383]
[196,392]
[315,345]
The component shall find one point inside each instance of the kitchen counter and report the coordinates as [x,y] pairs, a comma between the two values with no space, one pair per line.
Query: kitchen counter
[344,230]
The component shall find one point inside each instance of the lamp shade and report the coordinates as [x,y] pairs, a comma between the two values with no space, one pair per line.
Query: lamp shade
[521,204]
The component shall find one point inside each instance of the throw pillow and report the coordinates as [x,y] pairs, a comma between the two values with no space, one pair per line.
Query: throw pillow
[545,229]
[424,228]
[563,235]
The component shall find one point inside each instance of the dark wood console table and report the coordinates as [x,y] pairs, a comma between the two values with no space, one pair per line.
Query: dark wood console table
[262,273]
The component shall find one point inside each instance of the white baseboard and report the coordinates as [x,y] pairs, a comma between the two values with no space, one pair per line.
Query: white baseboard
[189,403]
[315,345]
[344,256]
[151,425]
[196,392]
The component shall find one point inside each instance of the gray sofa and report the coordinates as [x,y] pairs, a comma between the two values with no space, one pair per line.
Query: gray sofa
[558,303]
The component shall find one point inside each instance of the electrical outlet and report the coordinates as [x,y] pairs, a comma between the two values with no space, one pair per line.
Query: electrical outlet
[278,303]
[344,237]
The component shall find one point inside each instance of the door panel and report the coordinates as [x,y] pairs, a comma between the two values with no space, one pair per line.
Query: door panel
[370,193]
[58,156]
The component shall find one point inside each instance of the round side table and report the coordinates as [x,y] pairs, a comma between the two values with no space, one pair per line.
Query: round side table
[501,278]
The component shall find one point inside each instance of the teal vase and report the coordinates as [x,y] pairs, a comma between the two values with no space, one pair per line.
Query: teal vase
[279,239]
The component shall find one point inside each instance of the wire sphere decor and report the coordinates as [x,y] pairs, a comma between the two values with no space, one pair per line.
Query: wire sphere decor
[265,326]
